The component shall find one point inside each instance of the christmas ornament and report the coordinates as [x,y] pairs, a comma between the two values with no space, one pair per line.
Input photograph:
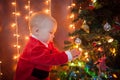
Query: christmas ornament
[78,41]
[117,26]
[91,6]
[94,43]
[107,26]
[109,39]
[74,75]
[85,27]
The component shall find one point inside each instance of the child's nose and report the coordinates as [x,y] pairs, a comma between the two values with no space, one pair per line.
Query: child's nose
[53,35]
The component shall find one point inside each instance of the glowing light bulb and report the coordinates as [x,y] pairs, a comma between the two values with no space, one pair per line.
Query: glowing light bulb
[72,16]
[100,49]
[18,46]
[73,4]
[26,17]
[26,38]
[72,64]
[13,25]
[115,76]
[71,25]
[80,49]
[26,7]
[86,53]
[17,14]
[76,46]
[14,35]
[87,59]
[94,1]
[16,57]
[13,12]
[47,2]
[110,40]
[30,12]
[47,11]
[14,45]
[13,3]
[18,35]
[72,37]
[69,7]
[1,73]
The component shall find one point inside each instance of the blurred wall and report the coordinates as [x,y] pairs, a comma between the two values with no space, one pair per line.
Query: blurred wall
[60,12]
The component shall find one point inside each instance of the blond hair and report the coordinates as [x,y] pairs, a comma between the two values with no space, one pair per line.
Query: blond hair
[39,19]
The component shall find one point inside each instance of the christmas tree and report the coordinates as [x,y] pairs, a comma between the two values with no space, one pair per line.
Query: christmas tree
[96,35]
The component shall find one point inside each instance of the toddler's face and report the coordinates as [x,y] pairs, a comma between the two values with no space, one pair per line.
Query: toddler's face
[43,27]
[47,33]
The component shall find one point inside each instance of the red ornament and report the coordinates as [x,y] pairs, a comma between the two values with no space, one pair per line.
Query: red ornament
[117,27]
[94,44]
[91,7]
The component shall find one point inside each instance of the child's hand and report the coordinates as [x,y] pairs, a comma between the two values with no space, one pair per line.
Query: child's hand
[75,53]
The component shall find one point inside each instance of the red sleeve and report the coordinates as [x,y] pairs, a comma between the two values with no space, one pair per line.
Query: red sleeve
[47,56]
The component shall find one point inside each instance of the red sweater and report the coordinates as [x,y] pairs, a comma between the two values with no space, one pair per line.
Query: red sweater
[37,55]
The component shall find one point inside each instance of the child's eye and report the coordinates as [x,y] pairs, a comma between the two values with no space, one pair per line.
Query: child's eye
[51,32]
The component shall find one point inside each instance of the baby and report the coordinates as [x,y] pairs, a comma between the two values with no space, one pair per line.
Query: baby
[39,54]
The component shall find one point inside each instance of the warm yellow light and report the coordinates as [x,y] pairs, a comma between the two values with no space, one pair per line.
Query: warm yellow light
[26,7]
[80,49]
[72,64]
[110,40]
[31,12]
[76,46]
[18,46]
[14,45]
[0,62]
[100,49]
[113,50]
[58,79]
[16,57]
[18,35]
[72,16]
[26,17]
[13,25]
[99,43]
[1,73]
[115,76]
[86,56]
[17,14]
[86,53]
[79,64]
[69,7]
[13,3]
[73,4]
[47,11]
[14,34]
[13,12]
[47,2]
[72,37]
[71,25]
[26,38]
[87,59]
[93,1]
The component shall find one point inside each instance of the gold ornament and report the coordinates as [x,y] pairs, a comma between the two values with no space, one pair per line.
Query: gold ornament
[85,27]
